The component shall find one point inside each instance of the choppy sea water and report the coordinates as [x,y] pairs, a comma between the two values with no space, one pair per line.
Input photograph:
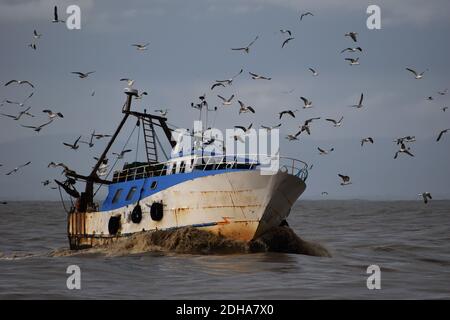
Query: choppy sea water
[408,240]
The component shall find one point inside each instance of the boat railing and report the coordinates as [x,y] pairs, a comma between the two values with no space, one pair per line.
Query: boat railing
[292,166]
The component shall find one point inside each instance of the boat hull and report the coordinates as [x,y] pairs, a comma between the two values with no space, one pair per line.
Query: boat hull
[240,205]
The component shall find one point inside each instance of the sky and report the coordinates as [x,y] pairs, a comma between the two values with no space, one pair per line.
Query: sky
[189,49]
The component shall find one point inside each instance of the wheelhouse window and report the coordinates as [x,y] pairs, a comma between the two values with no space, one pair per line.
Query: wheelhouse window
[131,193]
[117,196]
[154,185]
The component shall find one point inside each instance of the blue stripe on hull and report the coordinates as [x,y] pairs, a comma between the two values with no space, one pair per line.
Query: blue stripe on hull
[162,183]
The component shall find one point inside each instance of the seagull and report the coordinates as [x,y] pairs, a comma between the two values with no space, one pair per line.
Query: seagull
[425,196]
[283,31]
[292,137]
[82,75]
[430,98]
[256,76]
[141,95]
[416,75]
[21,113]
[244,128]
[140,47]
[90,143]
[305,126]
[247,48]
[32,46]
[39,128]
[286,41]
[52,114]
[444,109]
[36,35]
[289,112]
[403,149]
[359,105]
[345,179]
[272,127]
[336,123]
[226,102]
[45,183]
[216,85]
[368,139]
[122,153]
[353,62]
[73,146]
[19,82]
[314,72]
[324,193]
[323,151]
[307,103]
[162,112]
[17,168]
[245,109]
[20,104]
[228,82]
[443,93]
[305,14]
[130,82]
[55,15]
[352,49]
[441,133]
[406,139]
[352,35]
[100,136]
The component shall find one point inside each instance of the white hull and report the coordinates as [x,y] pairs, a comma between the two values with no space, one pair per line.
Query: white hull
[239,205]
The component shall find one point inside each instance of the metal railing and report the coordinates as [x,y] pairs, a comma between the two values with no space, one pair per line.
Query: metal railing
[186,164]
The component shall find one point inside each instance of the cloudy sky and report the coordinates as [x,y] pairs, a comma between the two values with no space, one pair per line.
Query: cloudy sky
[189,48]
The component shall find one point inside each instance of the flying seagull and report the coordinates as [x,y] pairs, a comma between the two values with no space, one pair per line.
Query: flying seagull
[52,114]
[100,136]
[36,35]
[73,146]
[337,123]
[90,143]
[140,47]
[314,72]
[425,196]
[302,15]
[403,149]
[444,109]
[324,152]
[229,81]
[21,113]
[244,108]
[129,82]
[441,133]
[345,179]
[38,128]
[286,41]
[82,75]
[353,62]
[141,95]
[122,153]
[306,103]
[352,49]
[443,93]
[19,82]
[292,137]
[247,48]
[286,31]
[18,168]
[406,139]
[416,75]
[366,140]
[33,46]
[244,128]
[256,76]
[306,124]
[226,102]
[359,105]
[55,15]
[217,84]
[20,104]
[352,35]
[289,112]
[272,127]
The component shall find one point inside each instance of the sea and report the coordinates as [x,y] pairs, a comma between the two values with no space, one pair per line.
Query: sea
[332,249]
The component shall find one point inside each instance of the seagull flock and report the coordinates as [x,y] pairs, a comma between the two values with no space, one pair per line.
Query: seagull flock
[22,109]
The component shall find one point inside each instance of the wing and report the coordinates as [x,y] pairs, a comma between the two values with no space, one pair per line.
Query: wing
[242,70]
[26,164]
[222,98]
[361,99]
[411,70]
[440,135]
[331,120]
[241,104]
[320,150]
[127,150]
[217,84]
[291,113]
[312,70]
[8,115]
[78,73]
[256,38]
[238,48]
[9,82]
[254,74]
[76,141]
[251,109]
[55,13]
[304,100]
[240,127]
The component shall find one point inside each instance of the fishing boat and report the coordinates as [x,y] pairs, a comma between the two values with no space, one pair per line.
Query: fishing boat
[220,193]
